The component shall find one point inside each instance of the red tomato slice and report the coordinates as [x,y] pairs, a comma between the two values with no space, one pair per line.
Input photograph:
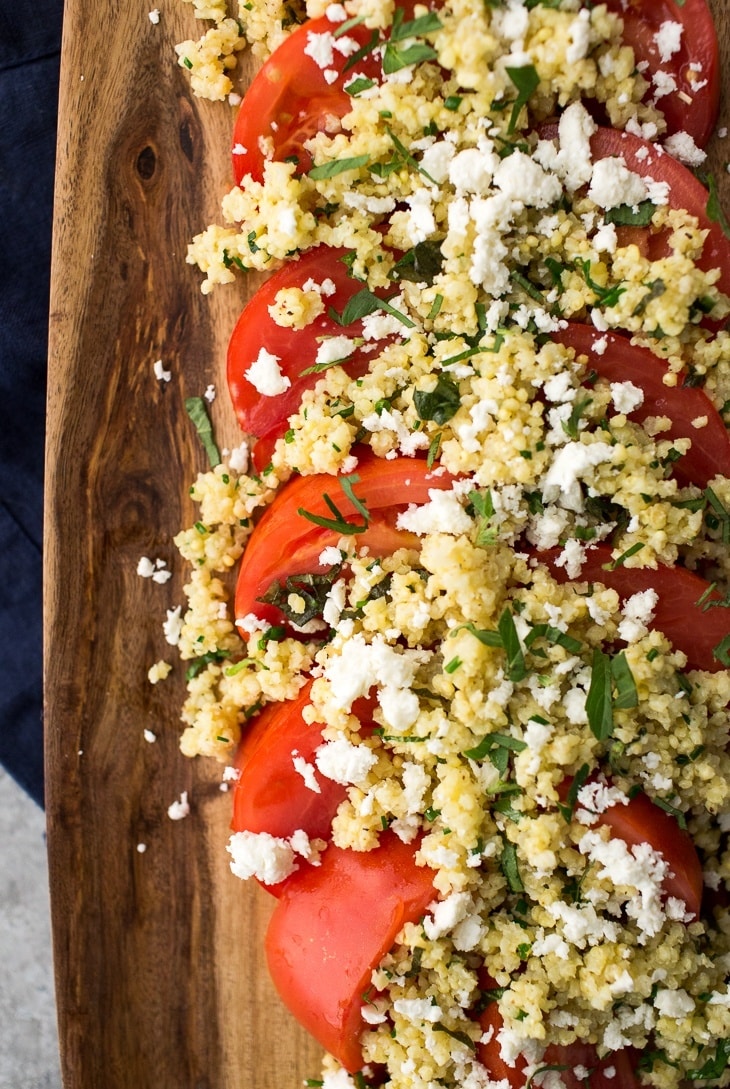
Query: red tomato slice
[270,794]
[616,1071]
[621,362]
[685,192]
[694,66]
[642,821]
[690,628]
[329,929]
[291,99]
[286,543]
[296,350]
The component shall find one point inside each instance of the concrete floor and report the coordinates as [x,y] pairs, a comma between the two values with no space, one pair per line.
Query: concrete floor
[28,1039]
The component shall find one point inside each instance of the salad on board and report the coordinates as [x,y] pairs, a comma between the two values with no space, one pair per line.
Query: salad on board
[458,610]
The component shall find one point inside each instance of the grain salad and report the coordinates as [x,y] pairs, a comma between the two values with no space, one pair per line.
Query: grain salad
[480,563]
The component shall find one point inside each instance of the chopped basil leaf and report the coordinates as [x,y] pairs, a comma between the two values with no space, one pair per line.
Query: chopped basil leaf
[421,265]
[599,702]
[440,403]
[715,1066]
[198,413]
[362,52]
[626,694]
[510,869]
[624,215]
[394,58]
[311,588]
[568,806]
[526,80]
[337,166]
[414,28]
[359,85]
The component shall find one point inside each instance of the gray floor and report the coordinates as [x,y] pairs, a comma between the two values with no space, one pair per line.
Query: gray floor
[28,1040]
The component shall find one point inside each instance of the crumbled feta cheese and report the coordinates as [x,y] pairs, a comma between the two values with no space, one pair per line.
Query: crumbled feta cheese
[613,184]
[265,375]
[268,858]
[668,39]
[154,16]
[160,373]
[344,762]
[180,809]
[626,396]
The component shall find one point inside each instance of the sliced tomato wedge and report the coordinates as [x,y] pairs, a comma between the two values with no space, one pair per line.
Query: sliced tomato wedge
[286,543]
[617,1070]
[622,361]
[301,90]
[270,794]
[640,820]
[685,192]
[295,349]
[681,612]
[293,97]
[332,925]
[692,61]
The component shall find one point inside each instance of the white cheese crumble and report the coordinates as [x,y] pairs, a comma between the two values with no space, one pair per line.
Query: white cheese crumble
[344,762]
[268,858]
[160,373]
[179,809]
[265,375]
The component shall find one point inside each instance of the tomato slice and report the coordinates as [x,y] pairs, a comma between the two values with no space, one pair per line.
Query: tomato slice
[642,821]
[695,630]
[330,928]
[622,361]
[295,349]
[285,543]
[617,1070]
[291,98]
[685,192]
[694,65]
[270,794]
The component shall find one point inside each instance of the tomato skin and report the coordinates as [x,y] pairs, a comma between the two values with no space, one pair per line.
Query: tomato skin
[285,543]
[623,361]
[332,925]
[290,100]
[267,417]
[698,46]
[687,626]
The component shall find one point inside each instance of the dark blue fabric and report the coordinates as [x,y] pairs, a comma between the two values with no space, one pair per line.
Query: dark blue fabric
[30,41]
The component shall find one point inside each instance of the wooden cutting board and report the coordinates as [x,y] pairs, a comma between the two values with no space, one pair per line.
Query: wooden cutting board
[161,980]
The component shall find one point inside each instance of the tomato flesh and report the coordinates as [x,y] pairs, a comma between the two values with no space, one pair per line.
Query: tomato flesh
[685,192]
[270,795]
[332,925]
[290,100]
[690,628]
[285,543]
[622,361]
[266,417]
[695,65]
[617,1070]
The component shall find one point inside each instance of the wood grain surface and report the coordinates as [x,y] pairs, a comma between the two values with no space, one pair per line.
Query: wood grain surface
[161,981]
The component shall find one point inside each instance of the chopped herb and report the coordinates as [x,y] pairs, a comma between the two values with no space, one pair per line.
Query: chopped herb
[359,85]
[714,208]
[568,806]
[672,810]
[364,303]
[484,510]
[461,1037]
[339,524]
[209,658]
[438,404]
[722,652]
[394,58]
[599,702]
[337,166]
[624,215]
[434,448]
[362,52]
[654,291]
[311,588]
[453,665]
[715,1066]
[198,413]
[626,695]
[526,80]
[421,265]
[452,102]
[571,425]
[510,869]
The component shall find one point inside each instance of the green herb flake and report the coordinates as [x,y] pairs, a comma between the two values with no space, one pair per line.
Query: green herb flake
[438,404]
[337,166]
[599,701]
[198,413]
[526,80]
[510,868]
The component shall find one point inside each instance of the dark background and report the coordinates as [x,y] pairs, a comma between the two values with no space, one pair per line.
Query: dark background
[30,43]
